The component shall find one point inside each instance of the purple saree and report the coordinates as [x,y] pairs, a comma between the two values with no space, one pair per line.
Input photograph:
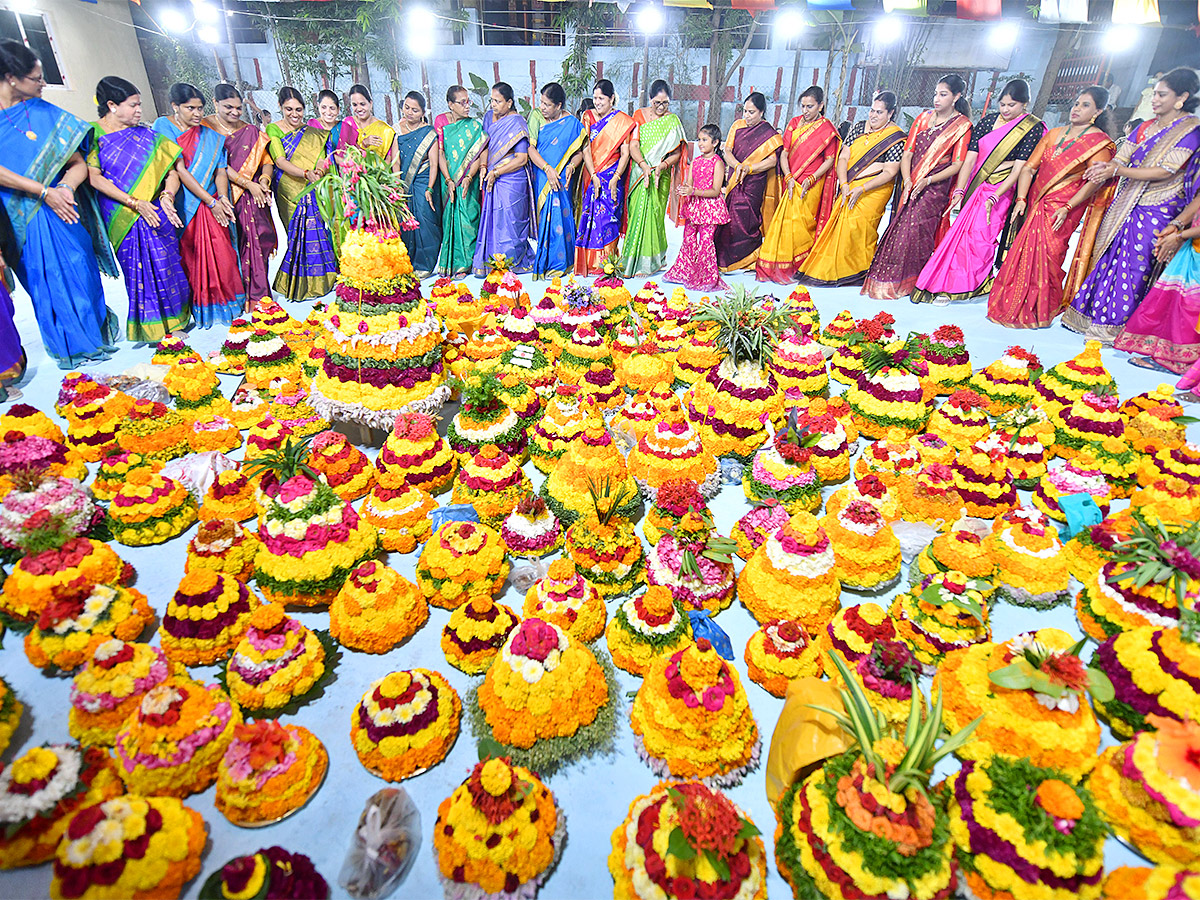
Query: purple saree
[506,222]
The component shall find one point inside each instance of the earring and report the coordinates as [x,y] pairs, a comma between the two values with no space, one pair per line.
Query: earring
[1179,105]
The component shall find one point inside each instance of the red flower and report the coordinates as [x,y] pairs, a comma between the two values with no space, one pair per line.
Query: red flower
[1067,670]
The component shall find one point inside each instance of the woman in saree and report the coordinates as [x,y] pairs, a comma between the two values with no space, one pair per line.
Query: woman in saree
[556,150]
[659,149]
[250,173]
[751,187]
[309,267]
[460,160]
[1153,172]
[810,150]
[209,257]
[363,130]
[417,152]
[137,172]
[605,158]
[506,219]
[935,151]
[1052,199]
[55,225]
[12,354]
[866,175]
[329,119]
[964,261]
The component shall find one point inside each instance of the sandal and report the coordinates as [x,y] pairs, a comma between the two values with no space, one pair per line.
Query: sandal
[1145,362]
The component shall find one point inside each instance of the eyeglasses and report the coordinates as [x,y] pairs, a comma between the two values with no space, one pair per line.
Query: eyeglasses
[36,79]
[465,101]
[661,104]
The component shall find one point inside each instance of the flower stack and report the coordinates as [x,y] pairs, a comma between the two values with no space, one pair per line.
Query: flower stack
[635,418]
[831,446]
[942,613]
[530,531]
[195,388]
[35,580]
[265,438]
[869,487]
[29,421]
[892,458]
[785,470]
[645,368]
[1007,383]
[401,517]
[215,433]
[232,359]
[751,530]
[270,361]
[485,419]
[839,328]
[626,340]
[846,364]
[346,468]
[929,497]
[793,575]
[645,628]
[1031,569]
[1081,475]
[548,316]
[933,450]
[155,432]
[1027,437]
[461,561]
[1060,386]
[694,563]
[564,598]
[1151,420]
[889,394]
[170,350]
[581,306]
[44,509]
[562,422]
[224,546]
[1153,671]
[961,420]
[591,459]
[671,450]
[95,420]
[230,496]
[453,303]
[866,551]
[268,772]
[277,662]
[405,723]
[270,315]
[249,408]
[984,483]
[959,549]
[80,616]
[415,455]
[376,609]
[1182,462]
[698,354]
[800,365]
[1089,419]
[780,652]
[205,618]
[604,546]
[475,633]
[492,482]
[109,688]
[271,872]
[945,353]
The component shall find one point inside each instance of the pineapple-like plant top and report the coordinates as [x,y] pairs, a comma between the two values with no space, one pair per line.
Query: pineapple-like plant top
[749,326]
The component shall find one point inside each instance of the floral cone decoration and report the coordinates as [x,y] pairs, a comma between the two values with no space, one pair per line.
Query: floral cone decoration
[863,826]
[793,576]
[671,503]
[889,394]
[839,328]
[646,628]
[892,458]
[1027,437]
[10,714]
[780,652]
[171,744]
[1090,419]
[170,350]
[79,617]
[268,771]
[454,303]
[107,690]
[671,450]
[847,362]
[933,450]
[405,723]
[686,840]
[249,408]
[752,530]
[475,633]
[270,360]
[887,674]
[401,517]
[499,835]
[645,367]
[945,353]
[562,423]
[869,487]
[150,509]
[461,561]
[264,439]
[929,497]
[1146,791]
[984,483]
[278,661]
[206,618]
[961,420]
[785,470]
[591,459]
[530,531]
[564,598]
[270,315]
[94,424]
[1031,569]
[36,579]
[230,496]
[194,386]
[604,546]
[529,365]
[1153,671]
[943,612]
[44,511]
[486,420]
[799,364]
[1182,462]
[854,630]
[213,433]
[691,718]
[1060,386]
[415,455]
[272,872]
[223,546]
[1167,499]
[1031,692]
[40,790]
[694,563]
[1006,384]
[1152,421]
[29,421]
[636,417]
[831,450]
[960,549]
[344,466]
[1025,832]
[47,457]
[232,358]
[112,471]
[865,549]
[585,347]
[492,482]
[130,846]
[376,609]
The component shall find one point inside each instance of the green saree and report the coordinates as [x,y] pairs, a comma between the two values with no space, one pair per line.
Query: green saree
[462,143]
[645,249]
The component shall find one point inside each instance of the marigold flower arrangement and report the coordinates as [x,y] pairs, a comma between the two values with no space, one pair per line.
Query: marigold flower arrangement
[960,549]
[891,458]
[799,364]
[170,350]
[224,546]
[753,528]
[268,772]
[1091,547]
[1025,832]
[839,328]
[462,560]
[1031,692]
[278,663]
[564,598]
[1152,420]
[33,582]
[604,546]
[29,421]
[272,872]
[945,353]
[40,790]
[206,617]
[1060,386]
[1154,671]
[530,531]
[671,502]
[492,482]
[1167,499]
[376,609]
[113,469]
[554,432]
[961,420]
[344,466]
[984,483]
[80,616]
[1089,419]
[1006,384]
[846,364]
[854,630]
[889,395]
[400,516]
[149,509]
[249,408]
[694,563]
[866,550]
[793,575]
[485,419]
[684,839]
[524,400]
[265,438]
[499,835]
[110,687]
[453,302]
[1027,437]
[780,652]
[1031,569]
[10,714]
[671,450]
[697,355]
[929,497]
[1119,463]
[476,632]
[943,612]
[415,455]
[173,741]
[194,386]
[232,358]
[591,459]
[155,432]
[887,674]
[1147,791]
[1182,462]
[1158,883]
[269,360]
[405,723]
[785,471]
[213,433]
[870,487]
[94,425]
[691,718]
[645,628]
[129,846]
[270,315]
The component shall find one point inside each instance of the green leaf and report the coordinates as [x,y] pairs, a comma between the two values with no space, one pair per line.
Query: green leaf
[678,846]
[748,830]
[490,749]
[1015,676]
[717,863]
[1099,686]
[1185,420]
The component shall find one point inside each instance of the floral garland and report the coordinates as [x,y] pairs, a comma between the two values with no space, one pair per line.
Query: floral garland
[106,691]
[376,609]
[564,598]
[225,547]
[279,664]
[646,628]
[778,653]
[461,561]
[475,633]
[272,872]
[205,618]
[405,723]
[792,576]
[80,617]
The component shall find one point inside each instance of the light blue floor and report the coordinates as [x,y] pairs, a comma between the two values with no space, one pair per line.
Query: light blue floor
[594,794]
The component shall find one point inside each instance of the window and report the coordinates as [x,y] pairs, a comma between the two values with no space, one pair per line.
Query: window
[32,30]
[520,23]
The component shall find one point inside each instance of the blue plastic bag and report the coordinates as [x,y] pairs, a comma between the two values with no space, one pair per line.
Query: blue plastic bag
[1081,512]
[704,627]
[455,512]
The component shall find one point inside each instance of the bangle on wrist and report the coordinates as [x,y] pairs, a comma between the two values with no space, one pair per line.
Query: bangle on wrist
[45,190]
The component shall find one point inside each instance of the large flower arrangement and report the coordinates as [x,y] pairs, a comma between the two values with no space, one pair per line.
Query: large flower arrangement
[461,561]
[476,632]
[271,872]
[79,617]
[591,459]
[205,618]
[401,517]
[499,835]
[694,563]
[865,549]
[604,546]
[230,496]
[155,431]
[944,612]
[31,585]
[344,466]
[564,598]
[268,772]
[171,744]
[376,609]
[150,509]
[40,790]
[278,662]
[94,423]
[405,723]
[530,530]
[1006,384]
[691,718]
[945,353]
[799,364]
[984,483]
[415,455]
[961,420]
[492,482]
[129,846]
[1060,386]
[29,421]
[558,428]
[779,652]
[930,496]
[646,628]
[889,394]
[1025,832]
[793,576]
[686,840]
[109,688]
[669,450]
[194,386]
[224,546]
[1154,671]
[1031,569]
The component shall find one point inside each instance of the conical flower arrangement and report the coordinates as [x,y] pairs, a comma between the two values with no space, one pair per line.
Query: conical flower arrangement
[564,598]
[206,618]
[1152,420]
[636,417]
[779,652]
[1031,569]
[752,530]
[671,449]
[847,362]
[866,551]
[645,628]
[492,482]
[415,455]
[109,688]
[562,423]
[961,420]
[799,364]
[785,470]
[697,355]
[646,367]
[1090,418]
[269,360]
[792,576]
[673,501]
[961,549]
[603,544]
[345,467]
[530,530]
[1007,383]
[929,497]
[694,563]
[405,723]
[1081,475]
[892,458]
[983,483]
[376,609]
[889,394]
[839,328]
[461,561]
[585,347]
[945,353]
[1060,386]
[476,632]
[1027,438]
[230,496]
[195,388]
[942,613]
[277,662]
[831,449]
[485,419]
[591,459]
[401,517]
[1152,672]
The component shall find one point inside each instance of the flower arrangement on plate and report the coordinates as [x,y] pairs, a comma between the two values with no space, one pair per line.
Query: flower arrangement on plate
[1060,386]
[477,630]
[591,459]
[109,688]
[195,388]
[278,665]
[461,561]
[870,487]
[831,446]
[345,467]
[892,458]
[866,550]
[484,347]
[1154,672]
[530,531]
[1092,546]
[173,741]
[10,714]
[155,431]
[604,546]
[792,575]
[780,652]
[984,483]
[942,613]
[40,791]
[222,545]
[485,419]
[799,364]
[405,723]
[889,394]
[415,455]
[400,516]
[945,353]
[1027,438]
[685,839]
[1152,420]
[932,449]
[1032,694]
[232,358]
[752,529]
[671,502]
[270,315]
[671,450]
[961,420]
[1146,792]
[149,509]
[268,772]
[785,470]
[1031,569]
[271,872]
[1182,462]
[129,846]
[80,616]
[840,327]
[1007,383]
[1024,831]
[1167,499]
[507,810]
[206,618]
[694,563]
[646,628]
[492,482]
[376,609]
[961,549]
[563,597]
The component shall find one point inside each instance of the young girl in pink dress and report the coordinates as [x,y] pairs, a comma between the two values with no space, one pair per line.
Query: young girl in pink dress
[703,210]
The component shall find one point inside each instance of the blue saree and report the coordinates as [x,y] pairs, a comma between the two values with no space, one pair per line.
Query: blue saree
[423,243]
[557,142]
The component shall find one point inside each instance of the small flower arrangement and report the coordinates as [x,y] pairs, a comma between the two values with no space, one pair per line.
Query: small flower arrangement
[793,575]
[780,652]
[492,482]
[272,872]
[1007,383]
[476,632]
[945,353]
[930,496]
[224,546]
[212,433]
[646,628]
[831,445]
[268,772]
[485,419]
[673,500]
[29,421]
[1027,437]
[249,408]
[155,432]
[603,544]
[376,609]
[109,688]
[854,630]
[405,723]
[1080,475]
[41,512]
[232,358]
[942,613]
[81,616]
[194,386]
[344,466]
[564,598]
[530,531]
[984,483]
[961,549]
[206,618]
[785,471]
[961,420]
[670,450]
[31,585]
[866,551]
[891,459]
[461,561]
[1031,569]
[400,516]
[270,360]
[150,509]
[887,675]
[112,471]
[278,663]
[10,714]
[694,563]
[889,395]
[838,330]
[591,459]
[170,350]
[561,424]
[1060,386]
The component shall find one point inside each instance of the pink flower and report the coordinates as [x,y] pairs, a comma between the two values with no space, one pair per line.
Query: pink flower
[714,698]
[363,327]
[295,487]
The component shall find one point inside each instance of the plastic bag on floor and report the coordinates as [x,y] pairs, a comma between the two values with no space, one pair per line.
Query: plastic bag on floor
[197,471]
[914,537]
[384,845]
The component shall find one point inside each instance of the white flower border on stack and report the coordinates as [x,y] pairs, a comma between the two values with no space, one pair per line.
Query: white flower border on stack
[375,418]
[18,808]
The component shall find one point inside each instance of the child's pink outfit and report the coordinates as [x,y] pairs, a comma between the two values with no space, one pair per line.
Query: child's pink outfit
[696,266]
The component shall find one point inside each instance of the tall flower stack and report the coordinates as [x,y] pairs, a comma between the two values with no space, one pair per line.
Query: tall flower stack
[799,364]
[1027,437]
[462,560]
[562,422]
[475,633]
[699,353]
[645,628]
[232,358]
[834,334]
[603,544]
[865,548]
[889,394]
[415,455]
[792,575]
[277,663]
[1061,385]
[694,563]
[1090,419]
[778,653]
[983,482]
[961,420]
[492,482]
[485,419]
[945,353]
[376,609]
[785,470]
[942,613]
[847,361]
[592,458]
[108,689]
[195,388]
[405,723]
[205,618]
[831,450]
[270,361]
[892,458]
[1152,420]
[585,346]
[1031,569]
[268,772]
[1007,383]
[671,449]
[563,597]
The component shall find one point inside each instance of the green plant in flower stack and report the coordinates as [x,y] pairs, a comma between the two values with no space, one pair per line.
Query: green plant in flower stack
[1160,554]
[283,463]
[748,325]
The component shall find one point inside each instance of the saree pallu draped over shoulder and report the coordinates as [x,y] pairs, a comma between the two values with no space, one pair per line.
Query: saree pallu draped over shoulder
[137,160]
[645,248]
[1028,290]
[424,242]
[800,216]
[557,142]
[309,266]
[246,151]
[57,262]
[751,199]
[462,142]
[506,220]
[601,216]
